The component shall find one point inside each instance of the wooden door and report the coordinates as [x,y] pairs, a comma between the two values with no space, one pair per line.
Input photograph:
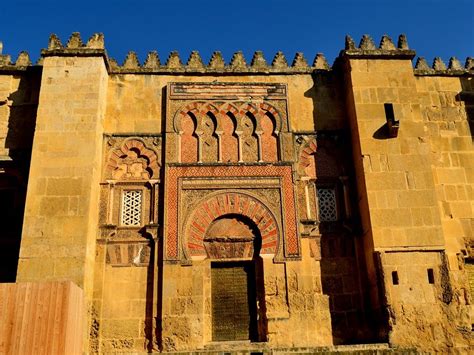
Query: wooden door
[234,307]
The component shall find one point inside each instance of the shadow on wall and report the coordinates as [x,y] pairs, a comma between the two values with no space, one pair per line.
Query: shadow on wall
[467,95]
[328,102]
[14,168]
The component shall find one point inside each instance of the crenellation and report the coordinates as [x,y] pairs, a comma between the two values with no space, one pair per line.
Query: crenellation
[96,41]
[75,41]
[174,61]
[438,64]
[402,42]
[54,42]
[469,65]
[131,61]
[350,44]
[299,62]
[195,61]
[455,64]
[113,64]
[258,61]
[5,60]
[439,68]
[320,62]
[279,61]
[23,59]
[386,43]
[367,43]
[217,61]
[368,49]
[152,61]
[422,65]
[238,63]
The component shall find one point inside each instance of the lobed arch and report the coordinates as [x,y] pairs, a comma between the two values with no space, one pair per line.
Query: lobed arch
[254,137]
[132,160]
[220,204]
[267,108]
[307,159]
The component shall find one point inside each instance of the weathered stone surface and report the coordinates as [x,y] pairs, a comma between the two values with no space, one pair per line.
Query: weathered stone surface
[144,177]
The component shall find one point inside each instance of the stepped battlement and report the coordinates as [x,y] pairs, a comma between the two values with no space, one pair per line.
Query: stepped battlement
[95,46]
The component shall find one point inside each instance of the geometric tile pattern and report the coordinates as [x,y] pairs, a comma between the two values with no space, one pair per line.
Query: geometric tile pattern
[131,208]
[327,204]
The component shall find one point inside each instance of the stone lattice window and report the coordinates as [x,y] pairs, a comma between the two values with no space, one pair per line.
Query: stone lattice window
[131,208]
[327,204]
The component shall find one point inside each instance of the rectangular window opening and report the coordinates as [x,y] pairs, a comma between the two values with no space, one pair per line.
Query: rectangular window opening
[395,280]
[430,276]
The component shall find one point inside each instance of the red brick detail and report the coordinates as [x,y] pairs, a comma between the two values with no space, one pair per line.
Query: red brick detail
[243,109]
[189,140]
[248,206]
[228,107]
[307,161]
[226,202]
[229,143]
[135,145]
[205,108]
[269,139]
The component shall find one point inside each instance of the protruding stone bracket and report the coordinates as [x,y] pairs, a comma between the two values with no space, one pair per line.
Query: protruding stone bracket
[392,124]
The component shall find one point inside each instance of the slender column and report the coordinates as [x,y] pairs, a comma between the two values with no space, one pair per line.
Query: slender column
[239,143]
[308,206]
[259,146]
[111,201]
[347,202]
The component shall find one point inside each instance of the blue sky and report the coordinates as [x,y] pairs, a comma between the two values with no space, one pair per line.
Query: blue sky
[433,27]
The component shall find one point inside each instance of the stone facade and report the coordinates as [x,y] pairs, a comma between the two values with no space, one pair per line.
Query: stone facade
[272,205]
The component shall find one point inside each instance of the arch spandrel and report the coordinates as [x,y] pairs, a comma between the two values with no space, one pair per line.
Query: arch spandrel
[132,160]
[229,203]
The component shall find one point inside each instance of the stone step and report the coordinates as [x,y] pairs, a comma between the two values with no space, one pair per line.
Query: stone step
[241,348]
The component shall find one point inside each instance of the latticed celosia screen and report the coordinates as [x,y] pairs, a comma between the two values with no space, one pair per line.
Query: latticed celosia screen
[131,208]
[327,204]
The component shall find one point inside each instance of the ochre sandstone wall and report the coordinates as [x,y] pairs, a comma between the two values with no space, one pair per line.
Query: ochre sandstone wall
[145,179]
[403,180]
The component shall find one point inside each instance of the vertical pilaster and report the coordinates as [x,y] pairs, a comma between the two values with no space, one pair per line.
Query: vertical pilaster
[60,224]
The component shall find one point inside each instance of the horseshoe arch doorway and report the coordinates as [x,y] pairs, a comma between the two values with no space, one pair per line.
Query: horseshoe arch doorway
[233,243]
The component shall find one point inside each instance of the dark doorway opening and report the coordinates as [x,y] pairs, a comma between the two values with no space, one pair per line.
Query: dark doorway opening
[234,301]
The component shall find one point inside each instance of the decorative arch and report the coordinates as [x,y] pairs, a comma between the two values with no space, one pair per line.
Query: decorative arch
[220,204]
[227,107]
[193,107]
[248,108]
[266,107]
[269,138]
[189,139]
[307,159]
[132,161]
[208,137]
[228,138]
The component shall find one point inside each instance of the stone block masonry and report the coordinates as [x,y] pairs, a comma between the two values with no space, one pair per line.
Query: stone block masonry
[180,206]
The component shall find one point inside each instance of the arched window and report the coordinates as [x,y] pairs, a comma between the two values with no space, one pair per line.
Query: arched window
[269,138]
[229,147]
[189,140]
[249,138]
[209,138]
